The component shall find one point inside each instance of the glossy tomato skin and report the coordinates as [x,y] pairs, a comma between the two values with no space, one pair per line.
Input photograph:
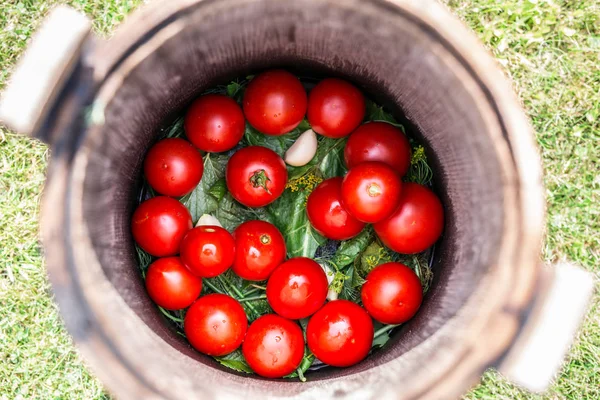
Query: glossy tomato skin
[275,102]
[215,324]
[371,191]
[416,224]
[335,108]
[256,176]
[171,285]
[340,334]
[378,141]
[159,224]
[327,214]
[274,346]
[173,167]
[214,123]
[259,249]
[297,288]
[392,293]
[208,251]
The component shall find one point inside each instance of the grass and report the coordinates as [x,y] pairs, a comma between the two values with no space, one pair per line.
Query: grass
[549,49]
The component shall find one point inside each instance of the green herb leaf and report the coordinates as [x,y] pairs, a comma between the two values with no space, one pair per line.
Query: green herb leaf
[375,254]
[330,156]
[288,214]
[219,189]
[382,334]
[376,113]
[350,249]
[175,130]
[230,213]
[279,144]
[349,291]
[419,172]
[235,361]
[200,201]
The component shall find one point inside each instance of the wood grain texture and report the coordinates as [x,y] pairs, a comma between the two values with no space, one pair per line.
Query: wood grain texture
[416,60]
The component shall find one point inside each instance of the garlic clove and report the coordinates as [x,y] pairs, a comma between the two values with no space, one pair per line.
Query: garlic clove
[207,219]
[303,150]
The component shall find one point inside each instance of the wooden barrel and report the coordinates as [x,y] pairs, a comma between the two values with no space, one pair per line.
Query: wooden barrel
[410,56]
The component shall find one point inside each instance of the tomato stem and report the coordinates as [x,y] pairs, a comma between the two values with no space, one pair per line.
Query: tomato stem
[260,179]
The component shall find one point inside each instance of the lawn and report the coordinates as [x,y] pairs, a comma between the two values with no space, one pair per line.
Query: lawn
[549,49]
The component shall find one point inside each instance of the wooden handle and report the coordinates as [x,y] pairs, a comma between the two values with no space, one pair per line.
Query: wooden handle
[43,70]
[538,353]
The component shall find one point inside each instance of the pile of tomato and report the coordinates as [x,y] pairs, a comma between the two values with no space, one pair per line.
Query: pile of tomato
[406,217]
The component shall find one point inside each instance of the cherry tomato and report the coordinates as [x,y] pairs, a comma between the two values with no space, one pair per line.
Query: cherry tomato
[275,102]
[416,224]
[259,249]
[371,191]
[378,141]
[297,288]
[335,108]
[340,334]
[171,285]
[215,324]
[173,167]
[274,346]
[159,224]
[256,176]
[327,214]
[214,123]
[392,293]
[208,250]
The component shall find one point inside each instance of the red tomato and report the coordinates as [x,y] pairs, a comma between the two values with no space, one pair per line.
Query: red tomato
[173,167]
[274,346]
[275,102]
[335,108]
[159,224]
[171,285]
[416,224]
[214,123]
[256,176]
[215,324]
[340,334]
[297,288]
[208,250]
[392,293]
[378,141]
[259,249]
[371,191]
[327,214]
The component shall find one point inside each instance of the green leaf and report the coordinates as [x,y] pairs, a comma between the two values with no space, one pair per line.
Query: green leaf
[219,189]
[200,201]
[376,113]
[330,156]
[381,334]
[279,144]
[175,130]
[230,213]
[288,214]
[235,361]
[350,249]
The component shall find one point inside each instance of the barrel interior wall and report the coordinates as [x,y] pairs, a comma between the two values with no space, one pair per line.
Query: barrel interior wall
[394,59]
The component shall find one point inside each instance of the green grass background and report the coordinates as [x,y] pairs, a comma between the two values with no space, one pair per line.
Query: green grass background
[549,49]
